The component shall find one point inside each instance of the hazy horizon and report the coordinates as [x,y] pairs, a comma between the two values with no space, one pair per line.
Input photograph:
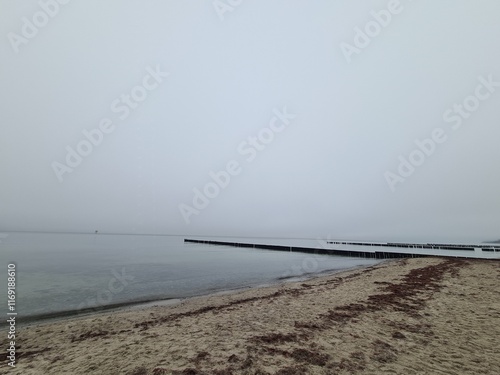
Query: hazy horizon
[215,236]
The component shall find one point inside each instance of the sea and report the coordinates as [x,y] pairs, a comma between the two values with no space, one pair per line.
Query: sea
[65,274]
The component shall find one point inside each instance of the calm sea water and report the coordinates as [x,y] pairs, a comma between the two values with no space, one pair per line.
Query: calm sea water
[83,272]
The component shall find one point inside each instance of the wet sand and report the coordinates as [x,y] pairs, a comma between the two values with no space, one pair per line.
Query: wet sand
[411,316]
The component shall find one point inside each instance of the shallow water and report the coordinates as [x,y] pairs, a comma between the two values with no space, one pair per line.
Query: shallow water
[76,272]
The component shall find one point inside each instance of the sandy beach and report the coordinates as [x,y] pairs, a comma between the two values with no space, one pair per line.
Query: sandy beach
[409,316]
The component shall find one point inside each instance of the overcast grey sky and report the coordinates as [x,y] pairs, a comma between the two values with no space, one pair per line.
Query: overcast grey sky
[340,95]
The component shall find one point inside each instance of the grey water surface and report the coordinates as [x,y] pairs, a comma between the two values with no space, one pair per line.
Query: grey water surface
[58,273]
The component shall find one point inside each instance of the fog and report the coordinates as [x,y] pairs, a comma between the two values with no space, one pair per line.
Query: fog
[374,120]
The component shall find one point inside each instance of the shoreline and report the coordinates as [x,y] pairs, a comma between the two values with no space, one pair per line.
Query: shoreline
[412,316]
[69,315]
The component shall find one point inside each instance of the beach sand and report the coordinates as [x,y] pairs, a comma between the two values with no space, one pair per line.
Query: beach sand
[408,316]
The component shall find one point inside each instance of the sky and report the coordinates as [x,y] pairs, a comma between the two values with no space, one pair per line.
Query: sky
[373,120]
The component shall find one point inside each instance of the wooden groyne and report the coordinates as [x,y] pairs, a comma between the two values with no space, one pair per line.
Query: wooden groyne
[377,250]
[312,250]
